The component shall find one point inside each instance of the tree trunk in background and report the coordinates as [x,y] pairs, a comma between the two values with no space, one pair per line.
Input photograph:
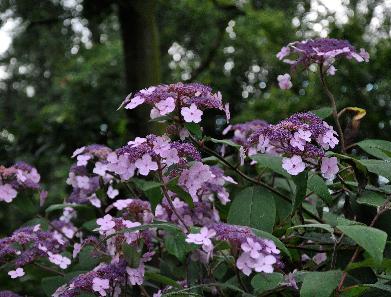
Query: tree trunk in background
[141,54]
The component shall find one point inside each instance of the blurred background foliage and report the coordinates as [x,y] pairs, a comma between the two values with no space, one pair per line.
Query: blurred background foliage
[71,63]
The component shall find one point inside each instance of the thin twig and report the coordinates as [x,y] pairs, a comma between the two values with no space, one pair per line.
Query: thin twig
[333,106]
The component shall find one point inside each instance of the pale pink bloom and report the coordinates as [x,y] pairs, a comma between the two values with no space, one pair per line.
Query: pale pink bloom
[68,232]
[145,165]
[329,140]
[227,129]
[293,165]
[183,133]
[121,165]
[131,236]
[171,156]
[59,260]
[191,114]
[122,203]
[155,113]
[265,264]
[148,91]
[7,193]
[331,70]
[284,81]
[136,101]
[329,167]
[161,144]
[285,51]
[112,192]
[37,228]
[364,54]
[18,272]
[136,275]
[83,182]
[76,250]
[252,247]
[157,294]
[319,258]
[78,151]
[166,106]
[42,248]
[304,134]
[243,263]
[95,201]
[100,168]
[297,142]
[137,141]
[100,285]
[106,223]
[192,179]
[82,160]
[263,143]
[202,238]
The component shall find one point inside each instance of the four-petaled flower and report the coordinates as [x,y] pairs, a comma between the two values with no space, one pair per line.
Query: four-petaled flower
[166,106]
[329,167]
[136,101]
[18,272]
[145,165]
[191,114]
[7,193]
[293,165]
[106,223]
[100,285]
[202,238]
[284,81]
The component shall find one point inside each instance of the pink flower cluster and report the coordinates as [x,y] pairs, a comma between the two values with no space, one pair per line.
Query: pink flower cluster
[18,177]
[179,101]
[302,140]
[257,254]
[322,51]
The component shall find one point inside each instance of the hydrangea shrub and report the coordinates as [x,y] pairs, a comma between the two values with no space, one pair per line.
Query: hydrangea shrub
[284,209]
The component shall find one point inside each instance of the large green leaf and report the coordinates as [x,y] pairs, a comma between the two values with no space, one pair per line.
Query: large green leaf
[379,167]
[378,148]
[262,282]
[371,198]
[317,185]
[370,239]
[320,284]
[226,142]
[176,245]
[301,189]
[254,207]
[323,112]
[273,163]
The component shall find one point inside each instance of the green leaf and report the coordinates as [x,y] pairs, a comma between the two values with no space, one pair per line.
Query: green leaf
[323,112]
[254,207]
[320,284]
[301,189]
[277,242]
[184,195]
[370,239]
[378,167]
[317,185]
[262,282]
[226,142]
[62,206]
[132,255]
[52,283]
[151,189]
[161,279]
[371,199]
[273,163]
[194,129]
[378,148]
[326,227]
[145,185]
[177,246]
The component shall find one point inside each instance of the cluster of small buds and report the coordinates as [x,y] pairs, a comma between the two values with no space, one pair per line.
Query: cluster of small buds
[322,51]
[256,254]
[87,174]
[243,130]
[302,140]
[145,155]
[135,210]
[29,244]
[180,101]
[203,212]
[105,280]
[16,178]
